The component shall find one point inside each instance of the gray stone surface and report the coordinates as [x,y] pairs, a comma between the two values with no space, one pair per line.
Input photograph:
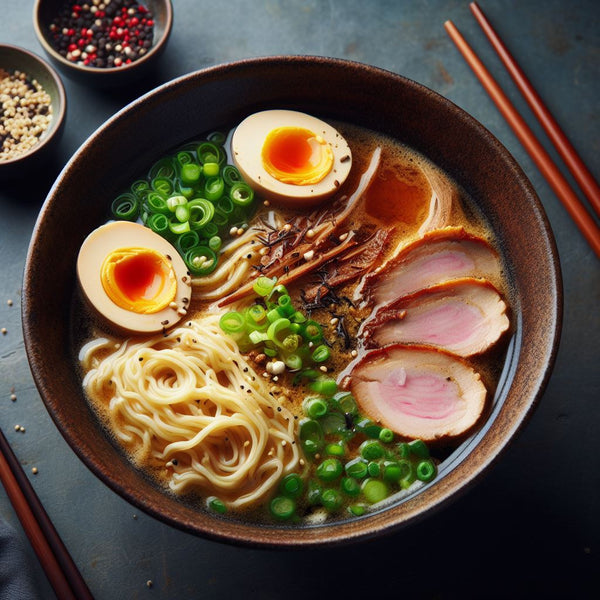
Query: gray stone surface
[530,529]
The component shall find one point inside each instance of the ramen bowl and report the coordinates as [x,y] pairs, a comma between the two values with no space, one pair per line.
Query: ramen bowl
[342,91]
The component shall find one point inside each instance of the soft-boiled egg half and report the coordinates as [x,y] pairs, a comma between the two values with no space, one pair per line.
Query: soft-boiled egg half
[134,278]
[290,157]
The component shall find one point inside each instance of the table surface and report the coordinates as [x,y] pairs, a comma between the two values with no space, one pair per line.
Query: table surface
[530,527]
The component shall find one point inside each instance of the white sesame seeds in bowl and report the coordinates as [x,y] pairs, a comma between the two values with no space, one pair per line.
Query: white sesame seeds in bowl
[33,103]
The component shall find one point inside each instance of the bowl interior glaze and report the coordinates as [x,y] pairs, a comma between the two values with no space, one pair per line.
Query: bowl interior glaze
[341,90]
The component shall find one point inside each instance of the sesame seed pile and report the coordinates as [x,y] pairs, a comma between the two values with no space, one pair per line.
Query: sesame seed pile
[26,113]
[103,33]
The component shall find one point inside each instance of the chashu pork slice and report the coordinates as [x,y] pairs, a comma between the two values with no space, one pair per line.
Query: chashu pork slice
[438,256]
[418,392]
[464,316]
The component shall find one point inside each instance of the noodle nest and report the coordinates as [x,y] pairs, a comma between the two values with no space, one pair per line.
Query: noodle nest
[189,404]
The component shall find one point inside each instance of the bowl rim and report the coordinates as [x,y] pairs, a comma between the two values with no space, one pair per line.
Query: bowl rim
[58,117]
[102,73]
[351,530]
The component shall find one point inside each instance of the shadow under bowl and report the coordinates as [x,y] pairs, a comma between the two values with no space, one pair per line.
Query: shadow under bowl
[14,58]
[341,90]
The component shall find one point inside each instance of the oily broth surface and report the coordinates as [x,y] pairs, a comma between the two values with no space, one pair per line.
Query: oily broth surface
[400,193]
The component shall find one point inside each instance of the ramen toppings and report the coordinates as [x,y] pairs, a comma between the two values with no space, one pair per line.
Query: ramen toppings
[355,331]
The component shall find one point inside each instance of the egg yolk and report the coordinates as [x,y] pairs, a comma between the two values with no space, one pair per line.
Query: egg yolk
[141,280]
[296,155]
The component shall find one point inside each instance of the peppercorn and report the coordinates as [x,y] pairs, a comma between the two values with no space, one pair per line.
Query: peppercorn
[105,34]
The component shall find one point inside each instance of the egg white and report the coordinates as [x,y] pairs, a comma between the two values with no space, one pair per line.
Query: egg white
[246,149]
[120,234]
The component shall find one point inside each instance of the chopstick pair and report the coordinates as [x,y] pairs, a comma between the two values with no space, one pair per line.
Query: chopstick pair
[62,573]
[534,148]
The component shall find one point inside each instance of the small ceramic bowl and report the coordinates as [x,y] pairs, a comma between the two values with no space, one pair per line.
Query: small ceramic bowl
[13,58]
[47,11]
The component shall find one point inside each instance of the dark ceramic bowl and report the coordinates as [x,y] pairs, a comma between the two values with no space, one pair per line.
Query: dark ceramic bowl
[341,90]
[46,11]
[13,58]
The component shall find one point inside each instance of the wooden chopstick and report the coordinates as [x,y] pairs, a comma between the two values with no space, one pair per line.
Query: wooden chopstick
[62,573]
[534,148]
[572,160]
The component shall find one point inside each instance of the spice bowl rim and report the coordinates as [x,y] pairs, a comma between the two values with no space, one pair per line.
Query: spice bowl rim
[108,76]
[11,167]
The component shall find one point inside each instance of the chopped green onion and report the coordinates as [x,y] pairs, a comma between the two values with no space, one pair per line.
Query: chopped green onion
[174,201]
[258,337]
[157,204]
[190,173]
[426,470]
[216,505]
[375,490]
[346,403]
[163,186]
[187,240]
[182,213]
[241,194]
[371,450]
[159,223]
[256,316]
[215,243]
[231,175]
[330,469]
[327,387]
[200,260]
[208,152]
[315,407]
[332,500]
[285,306]
[369,428]
[374,469]
[162,168]
[291,485]
[358,510]
[409,474]
[225,205]
[293,361]
[333,422]
[312,331]
[321,354]
[357,468]
[232,322]
[350,486]
[335,449]
[282,507]
[263,286]
[211,169]
[278,331]
[214,188]
[311,436]
[177,227]
[125,207]
[386,435]
[201,212]
[419,448]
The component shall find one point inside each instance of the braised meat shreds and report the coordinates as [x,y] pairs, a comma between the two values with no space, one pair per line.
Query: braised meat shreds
[355,263]
[418,392]
[465,316]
